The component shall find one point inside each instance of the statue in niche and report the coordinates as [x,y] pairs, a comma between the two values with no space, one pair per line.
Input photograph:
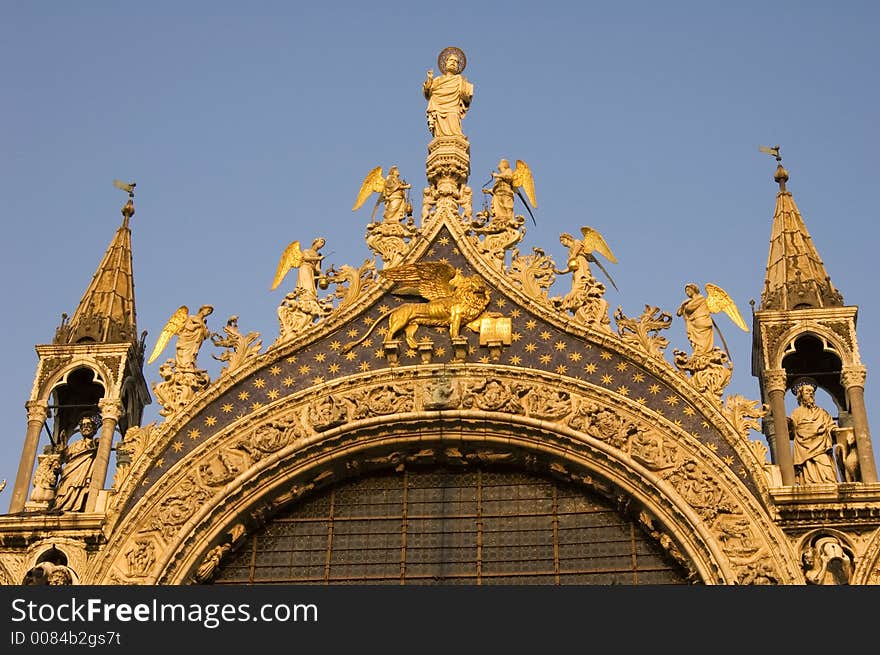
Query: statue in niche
[826,562]
[811,429]
[78,459]
[449,95]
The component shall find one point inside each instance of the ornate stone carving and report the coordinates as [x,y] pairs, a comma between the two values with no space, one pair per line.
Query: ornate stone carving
[441,393]
[846,455]
[776,380]
[650,449]
[709,372]
[350,281]
[826,561]
[548,404]
[298,311]
[843,329]
[49,366]
[586,303]
[327,413]
[853,376]
[140,558]
[223,466]
[698,488]
[385,399]
[734,532]
[760,572]
[240,348]
[602,423]
[209,565]
[391,240]
[533,274]
[492,395]
[274,436]
[129,449]
[178,387]
[744,414]
[49,573]
[643,332]
[176,509]
[45,479]
[771,334]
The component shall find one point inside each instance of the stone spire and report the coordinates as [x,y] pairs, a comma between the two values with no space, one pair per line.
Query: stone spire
[796,277]
[106,312]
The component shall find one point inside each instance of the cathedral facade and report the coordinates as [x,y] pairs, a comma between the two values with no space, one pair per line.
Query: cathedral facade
[434,416]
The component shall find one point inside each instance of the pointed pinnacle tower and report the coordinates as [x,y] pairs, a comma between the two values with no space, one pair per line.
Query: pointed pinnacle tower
[796,277]
[804,333]
[93,373]
[106,312]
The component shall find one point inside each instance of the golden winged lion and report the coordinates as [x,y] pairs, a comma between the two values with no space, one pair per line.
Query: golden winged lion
[453,300]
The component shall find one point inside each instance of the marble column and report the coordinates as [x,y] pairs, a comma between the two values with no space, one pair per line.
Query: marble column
[853,380]
[775,381]
[37,411]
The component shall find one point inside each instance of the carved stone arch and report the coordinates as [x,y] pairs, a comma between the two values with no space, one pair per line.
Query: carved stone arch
[867,569]
[103,376]
[824,334]
[167,534]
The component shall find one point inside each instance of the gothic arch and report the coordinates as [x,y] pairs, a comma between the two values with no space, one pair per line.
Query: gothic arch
[103,377]
[824,334]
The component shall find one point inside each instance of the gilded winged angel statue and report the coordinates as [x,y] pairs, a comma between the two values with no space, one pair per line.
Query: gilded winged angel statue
[308,264]
[191,331]
[697,313]
[507,183]
[581,253]
[391,189]
[453,300]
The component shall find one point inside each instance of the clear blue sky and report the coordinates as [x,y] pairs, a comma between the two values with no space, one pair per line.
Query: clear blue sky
[249,125]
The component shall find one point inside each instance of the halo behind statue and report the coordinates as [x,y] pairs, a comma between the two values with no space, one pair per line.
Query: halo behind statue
[803,382]
[441,58]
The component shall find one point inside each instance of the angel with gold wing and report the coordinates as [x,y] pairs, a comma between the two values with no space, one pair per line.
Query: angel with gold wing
[392,191]
[308,264]
[507,183]
[191,331]
[697,313]
[581,254]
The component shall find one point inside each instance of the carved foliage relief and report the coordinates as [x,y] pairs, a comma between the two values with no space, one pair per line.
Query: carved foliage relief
[671,459]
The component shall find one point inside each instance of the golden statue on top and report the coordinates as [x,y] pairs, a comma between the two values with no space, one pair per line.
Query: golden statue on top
[449,95]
